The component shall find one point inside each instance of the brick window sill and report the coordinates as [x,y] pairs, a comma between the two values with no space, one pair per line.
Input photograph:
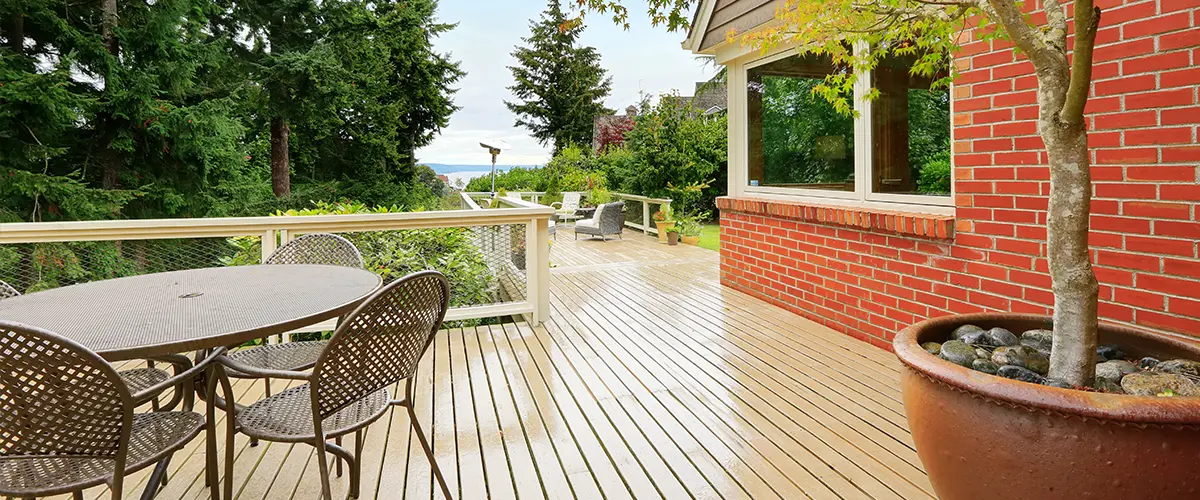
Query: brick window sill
[931,226]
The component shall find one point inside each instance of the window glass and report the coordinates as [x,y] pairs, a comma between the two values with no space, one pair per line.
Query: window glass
[910,132]
[797,138]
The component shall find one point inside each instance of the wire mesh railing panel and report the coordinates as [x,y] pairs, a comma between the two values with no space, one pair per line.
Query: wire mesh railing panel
[31,267]
[481,263]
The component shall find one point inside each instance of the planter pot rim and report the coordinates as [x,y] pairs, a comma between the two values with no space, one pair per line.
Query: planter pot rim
[1117,407]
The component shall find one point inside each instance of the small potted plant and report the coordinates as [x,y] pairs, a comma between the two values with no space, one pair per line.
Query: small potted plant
[673,235]
[664,223]
[690,228]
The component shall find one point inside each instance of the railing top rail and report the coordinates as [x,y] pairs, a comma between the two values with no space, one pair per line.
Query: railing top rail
[471,204]
[142,229]
[647,199]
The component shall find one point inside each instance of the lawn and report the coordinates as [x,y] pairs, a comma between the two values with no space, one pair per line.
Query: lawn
[710,237]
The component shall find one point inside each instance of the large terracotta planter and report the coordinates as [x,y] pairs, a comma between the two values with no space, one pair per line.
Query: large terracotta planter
[662,227]
[985,437]
[689,240]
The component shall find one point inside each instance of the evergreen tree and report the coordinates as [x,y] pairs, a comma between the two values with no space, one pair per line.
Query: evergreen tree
[560,85]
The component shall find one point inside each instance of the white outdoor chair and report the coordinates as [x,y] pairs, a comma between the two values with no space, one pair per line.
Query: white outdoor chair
[569,203]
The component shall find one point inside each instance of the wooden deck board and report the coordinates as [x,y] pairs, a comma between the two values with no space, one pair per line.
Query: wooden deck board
[650,380]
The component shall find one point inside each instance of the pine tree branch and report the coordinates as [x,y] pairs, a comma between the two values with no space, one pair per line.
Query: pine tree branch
[1087,22]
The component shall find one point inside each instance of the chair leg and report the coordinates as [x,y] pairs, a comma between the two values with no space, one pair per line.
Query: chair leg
[437,472]
[230,431]
[158,479]
[323,463]
[267,385]
[338,441]
[356,466]
[210,439]
[76,495]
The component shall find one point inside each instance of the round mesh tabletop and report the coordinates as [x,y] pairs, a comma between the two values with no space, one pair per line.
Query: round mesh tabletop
[165,313]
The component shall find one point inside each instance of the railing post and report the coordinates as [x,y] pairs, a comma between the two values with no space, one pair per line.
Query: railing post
[645,217]
[537,268]
[268,244]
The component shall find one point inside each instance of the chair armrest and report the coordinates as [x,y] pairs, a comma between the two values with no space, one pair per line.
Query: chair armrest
[557,204]
[179,377]
[229,362]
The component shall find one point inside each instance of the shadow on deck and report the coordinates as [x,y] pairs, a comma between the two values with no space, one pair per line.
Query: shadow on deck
[649,381]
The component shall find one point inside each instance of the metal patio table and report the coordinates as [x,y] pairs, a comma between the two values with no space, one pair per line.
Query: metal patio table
[180,311]
[193,310]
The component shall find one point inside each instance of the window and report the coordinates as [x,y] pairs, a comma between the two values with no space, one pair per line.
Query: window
[911,129]
[797,140]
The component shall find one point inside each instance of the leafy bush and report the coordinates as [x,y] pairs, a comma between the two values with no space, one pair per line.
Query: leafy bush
[394,254]
[671,144]
[935,175]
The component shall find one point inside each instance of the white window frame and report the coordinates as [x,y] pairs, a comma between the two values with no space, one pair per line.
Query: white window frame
[863,196]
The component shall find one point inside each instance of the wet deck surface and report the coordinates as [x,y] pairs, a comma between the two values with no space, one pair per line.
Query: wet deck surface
[649,381]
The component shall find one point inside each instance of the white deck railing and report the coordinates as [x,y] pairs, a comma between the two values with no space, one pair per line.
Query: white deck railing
[646,226]
[278,230]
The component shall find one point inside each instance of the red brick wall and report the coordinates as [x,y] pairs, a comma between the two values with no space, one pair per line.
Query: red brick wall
[869,281]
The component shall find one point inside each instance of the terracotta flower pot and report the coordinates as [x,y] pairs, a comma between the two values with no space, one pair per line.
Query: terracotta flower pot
[663,226]
[985,437]
[672,238]
[690,240]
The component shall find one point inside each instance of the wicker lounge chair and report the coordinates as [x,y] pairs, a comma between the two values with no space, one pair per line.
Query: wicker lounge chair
[68,418]
[608,219]
[375,347]
[317,248]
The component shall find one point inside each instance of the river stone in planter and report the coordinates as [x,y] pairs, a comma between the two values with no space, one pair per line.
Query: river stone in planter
[1147,363]
[984,366]
[1180,366]
[1041,340]
[1053,382]
[975,338]
[933,348]
[1153,384]
[1001,337]
[1019,373]
[1023,356]
[1113,370]
[957,352]
[1108,386]
[958,333]
[1109,352]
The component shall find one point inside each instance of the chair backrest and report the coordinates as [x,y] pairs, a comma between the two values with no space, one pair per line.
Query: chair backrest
[612,219]
[571,201]
[318,248]
[59,398]
[381,342]
[7,291]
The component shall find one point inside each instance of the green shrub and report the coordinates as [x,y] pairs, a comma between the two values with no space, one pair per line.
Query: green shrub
[394,254]
[935,175]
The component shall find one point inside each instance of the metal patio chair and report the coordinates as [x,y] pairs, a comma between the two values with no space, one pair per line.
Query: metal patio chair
[569,203]
[374,348]
[137,379]
[316,248]
[67,419]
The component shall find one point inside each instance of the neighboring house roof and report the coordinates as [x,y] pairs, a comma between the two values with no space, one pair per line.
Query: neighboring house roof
[714,18]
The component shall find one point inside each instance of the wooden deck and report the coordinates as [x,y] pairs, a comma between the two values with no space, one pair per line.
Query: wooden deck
[649,381]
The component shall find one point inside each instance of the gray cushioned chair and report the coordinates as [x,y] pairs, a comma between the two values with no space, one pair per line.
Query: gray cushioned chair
[608,219]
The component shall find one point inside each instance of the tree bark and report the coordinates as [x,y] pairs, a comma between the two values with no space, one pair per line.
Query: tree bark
[111,158]
[16,34]
[281,178]
[1063,87]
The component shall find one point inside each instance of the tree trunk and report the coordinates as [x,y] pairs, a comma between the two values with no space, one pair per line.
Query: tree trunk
[111,159]
[16,34]
[1075,287]
[281,179]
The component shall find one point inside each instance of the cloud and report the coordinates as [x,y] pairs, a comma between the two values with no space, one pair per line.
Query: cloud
[643,59]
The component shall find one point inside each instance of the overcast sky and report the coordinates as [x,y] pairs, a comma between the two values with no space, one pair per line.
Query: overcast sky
[645,58]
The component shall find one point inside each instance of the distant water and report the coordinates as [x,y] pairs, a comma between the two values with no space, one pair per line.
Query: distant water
[466,172]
